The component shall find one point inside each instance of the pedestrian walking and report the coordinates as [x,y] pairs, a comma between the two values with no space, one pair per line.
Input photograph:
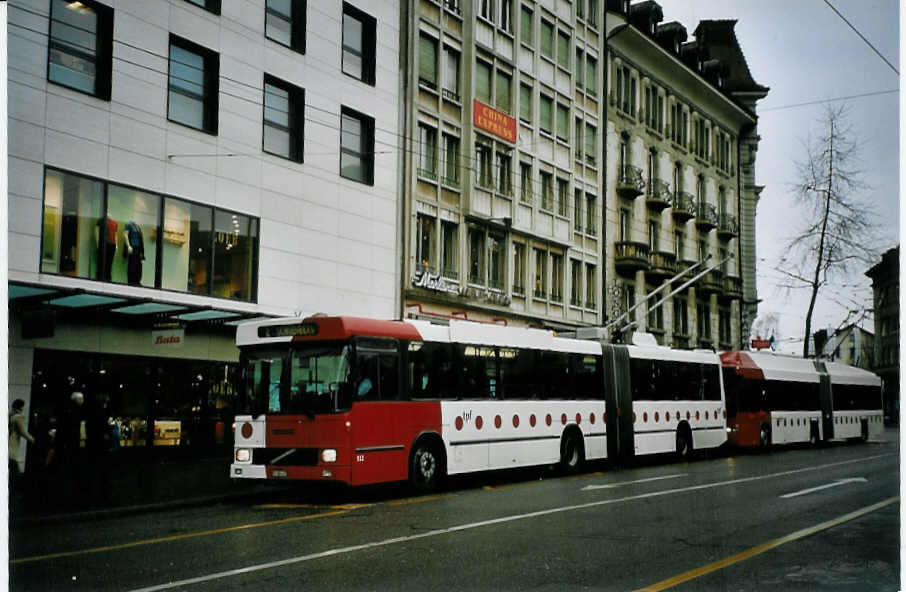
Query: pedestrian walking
[69,454]
[17,432]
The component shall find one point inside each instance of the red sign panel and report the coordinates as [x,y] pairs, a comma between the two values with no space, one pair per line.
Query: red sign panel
[761,343]
[492,120]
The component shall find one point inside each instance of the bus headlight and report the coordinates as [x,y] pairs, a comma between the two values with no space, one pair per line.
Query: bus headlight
[243,455]
[329,455]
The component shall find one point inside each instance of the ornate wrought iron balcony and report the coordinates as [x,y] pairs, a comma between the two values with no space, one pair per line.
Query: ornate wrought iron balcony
[732,288]
[728,226]
[706,218]
[658,195]
[661,264]
[631,256]
[711,283]
[629,182]
[683,205]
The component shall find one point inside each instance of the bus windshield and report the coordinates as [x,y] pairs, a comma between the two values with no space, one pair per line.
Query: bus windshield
[304,380]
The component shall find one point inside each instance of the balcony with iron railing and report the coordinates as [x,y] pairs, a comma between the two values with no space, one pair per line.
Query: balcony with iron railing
[710,283]
[630,182]
[683,205]
[630,257]
[658,195]
[706,217]
[728,226]
[661,264]
[732,288]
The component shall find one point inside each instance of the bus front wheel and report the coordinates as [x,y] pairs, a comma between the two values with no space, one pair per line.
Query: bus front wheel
[764,437]
[425,467]
[571,453]
[683,443]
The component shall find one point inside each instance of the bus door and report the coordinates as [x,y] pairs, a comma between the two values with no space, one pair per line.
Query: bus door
[618,397]
[827,401]
[377,428]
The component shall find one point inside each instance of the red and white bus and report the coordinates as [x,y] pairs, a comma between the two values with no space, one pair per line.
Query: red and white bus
[780,399]
[363,401]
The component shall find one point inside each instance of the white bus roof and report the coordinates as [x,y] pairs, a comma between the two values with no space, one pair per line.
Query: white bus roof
[846,374]
[674,355]
[783,367]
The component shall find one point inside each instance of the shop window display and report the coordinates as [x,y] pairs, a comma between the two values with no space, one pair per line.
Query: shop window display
[112,233]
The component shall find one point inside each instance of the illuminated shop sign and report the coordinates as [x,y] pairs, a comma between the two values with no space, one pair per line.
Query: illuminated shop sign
[492,120]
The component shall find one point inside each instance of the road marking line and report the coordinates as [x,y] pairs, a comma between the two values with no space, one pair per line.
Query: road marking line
[836,483]
[483,523]
[418,500]
[612,485]
[176,537]
[297,506]
[758,550]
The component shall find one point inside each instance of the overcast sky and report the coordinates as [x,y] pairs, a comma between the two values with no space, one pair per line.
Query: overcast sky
[804,52]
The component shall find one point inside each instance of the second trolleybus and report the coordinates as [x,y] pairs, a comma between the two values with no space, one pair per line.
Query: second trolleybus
[363,401]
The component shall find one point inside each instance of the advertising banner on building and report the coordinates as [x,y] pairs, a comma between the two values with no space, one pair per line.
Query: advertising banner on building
[491,120]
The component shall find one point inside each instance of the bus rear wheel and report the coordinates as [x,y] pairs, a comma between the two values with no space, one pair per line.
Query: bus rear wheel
[571,453]
[683,444]
[425,467]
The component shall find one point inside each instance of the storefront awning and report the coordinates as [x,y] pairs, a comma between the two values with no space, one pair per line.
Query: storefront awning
[158,309]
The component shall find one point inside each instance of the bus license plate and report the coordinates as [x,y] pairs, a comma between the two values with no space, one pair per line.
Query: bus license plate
[278,473]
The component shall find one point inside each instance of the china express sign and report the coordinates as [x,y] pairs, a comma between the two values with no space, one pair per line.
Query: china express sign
[491,120]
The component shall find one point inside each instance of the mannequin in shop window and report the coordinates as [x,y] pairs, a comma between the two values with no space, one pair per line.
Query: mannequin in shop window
[134,253]
[106,247]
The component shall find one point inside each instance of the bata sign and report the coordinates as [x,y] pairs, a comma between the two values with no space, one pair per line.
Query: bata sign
[491,120]
[168,338]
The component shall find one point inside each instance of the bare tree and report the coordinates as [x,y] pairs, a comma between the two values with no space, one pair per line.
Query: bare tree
[837,219]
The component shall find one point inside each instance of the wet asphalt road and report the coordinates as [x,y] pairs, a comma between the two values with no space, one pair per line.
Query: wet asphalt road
[605,529]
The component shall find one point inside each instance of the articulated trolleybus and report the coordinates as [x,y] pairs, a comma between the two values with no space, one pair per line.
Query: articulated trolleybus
[778,399]
[363,401]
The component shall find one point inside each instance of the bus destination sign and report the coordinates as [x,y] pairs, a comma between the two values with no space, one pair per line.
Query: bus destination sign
[293,330]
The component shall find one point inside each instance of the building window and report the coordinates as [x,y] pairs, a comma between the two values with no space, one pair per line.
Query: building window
[504,173]
[284,119]
[483,82]
[518,268]
[496,261]
[580,69]
[626,91]
[546,115]
[556,278]
[575,282]
[679,248]
[451,74]
[680,316]
[625,224]
[80,47]
[424,244]
[591,218]
[484,177]
[504,83]
[527,26]
[476,256]
[562,122]
[356,146]
[525,103]
[591,285]
[591,144]
[724,331]
[547,191]
[655,317]
[592,12]
[284,22]
[704,321]
[107,232]
[540,273]
[449,266]
[486,9]
[506,15]
[193,85]
[547,40]
[591,75]
[563,50]
[359,44]
[562,196]
[577,209]
[209,5]
[427,152]
[525,182]
[653,230]
[427,61]
[451,160]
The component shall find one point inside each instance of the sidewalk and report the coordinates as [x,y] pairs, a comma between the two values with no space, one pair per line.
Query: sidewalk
[130,489]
